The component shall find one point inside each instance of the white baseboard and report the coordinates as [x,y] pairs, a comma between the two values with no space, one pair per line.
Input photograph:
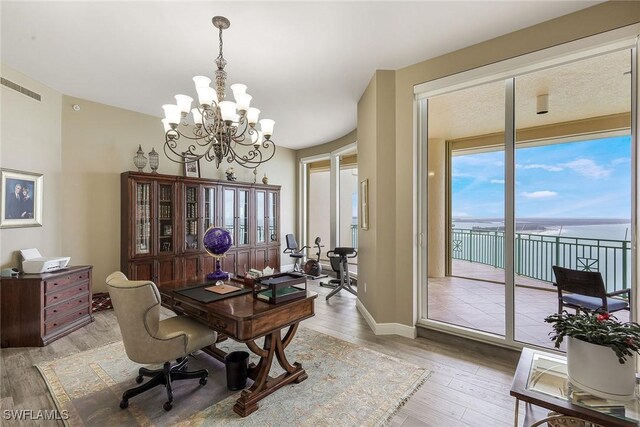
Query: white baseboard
[386,328]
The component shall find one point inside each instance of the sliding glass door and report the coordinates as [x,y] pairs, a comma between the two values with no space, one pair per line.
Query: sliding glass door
[520,174]
[466,208]
[572,182]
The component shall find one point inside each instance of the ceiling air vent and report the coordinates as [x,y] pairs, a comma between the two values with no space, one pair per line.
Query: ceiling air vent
[18,88]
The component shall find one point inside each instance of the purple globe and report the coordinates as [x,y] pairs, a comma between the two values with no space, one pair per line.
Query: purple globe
[217,241]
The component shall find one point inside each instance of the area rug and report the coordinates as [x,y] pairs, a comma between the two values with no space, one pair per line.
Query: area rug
[348,385]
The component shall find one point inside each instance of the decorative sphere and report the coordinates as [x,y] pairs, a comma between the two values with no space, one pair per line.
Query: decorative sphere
[217,241]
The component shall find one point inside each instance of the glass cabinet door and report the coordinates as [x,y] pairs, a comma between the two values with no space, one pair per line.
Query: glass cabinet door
[209,207]
[165,218]
[191,238]
[261,235]
[243,217]
[272,215]
[229,212]
[143,218]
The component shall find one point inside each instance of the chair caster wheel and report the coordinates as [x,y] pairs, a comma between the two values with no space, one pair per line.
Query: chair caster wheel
[139,379]
[203,381]
[167,406]
[124,404]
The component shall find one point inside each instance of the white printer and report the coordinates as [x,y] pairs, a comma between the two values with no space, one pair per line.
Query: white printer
[33,262]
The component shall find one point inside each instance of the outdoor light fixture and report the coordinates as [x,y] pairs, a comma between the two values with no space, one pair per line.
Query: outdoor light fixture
[217,129]
[542,104]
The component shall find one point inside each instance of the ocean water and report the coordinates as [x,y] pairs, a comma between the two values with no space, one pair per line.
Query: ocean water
[595,231]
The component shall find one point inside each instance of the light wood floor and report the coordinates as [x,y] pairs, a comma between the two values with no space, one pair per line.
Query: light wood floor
[469,384]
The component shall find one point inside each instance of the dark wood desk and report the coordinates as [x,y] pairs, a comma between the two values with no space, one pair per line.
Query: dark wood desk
[245,319]
[558,396]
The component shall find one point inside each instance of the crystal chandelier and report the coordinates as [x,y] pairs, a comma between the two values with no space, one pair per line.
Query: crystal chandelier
[220,129]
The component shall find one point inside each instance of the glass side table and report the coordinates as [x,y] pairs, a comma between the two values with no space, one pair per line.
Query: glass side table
[541,380]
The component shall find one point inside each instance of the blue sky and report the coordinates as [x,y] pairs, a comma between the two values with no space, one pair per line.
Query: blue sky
[589,179]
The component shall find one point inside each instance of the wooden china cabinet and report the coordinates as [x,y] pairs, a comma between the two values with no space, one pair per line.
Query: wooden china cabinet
[164,217]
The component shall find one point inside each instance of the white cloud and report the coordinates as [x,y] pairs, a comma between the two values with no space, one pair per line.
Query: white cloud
[549,168]
[620,160]
[497,181]
[460,214]
[542,194]
[587,167]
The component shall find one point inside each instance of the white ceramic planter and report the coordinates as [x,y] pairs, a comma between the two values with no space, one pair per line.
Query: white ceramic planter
[595,369]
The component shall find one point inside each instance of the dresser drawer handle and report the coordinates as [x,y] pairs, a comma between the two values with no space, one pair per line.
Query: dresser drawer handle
[55,324]
[55,297]
[220,324]
[55,311]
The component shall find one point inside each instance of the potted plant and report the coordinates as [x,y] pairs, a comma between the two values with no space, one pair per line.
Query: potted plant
[601,352]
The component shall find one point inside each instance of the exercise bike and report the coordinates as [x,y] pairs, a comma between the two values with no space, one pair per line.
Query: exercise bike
[312,267]
[339,258]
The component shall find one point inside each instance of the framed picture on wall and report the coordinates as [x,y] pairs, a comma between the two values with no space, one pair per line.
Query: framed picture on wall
[364,204]
[192,169]
[21,199]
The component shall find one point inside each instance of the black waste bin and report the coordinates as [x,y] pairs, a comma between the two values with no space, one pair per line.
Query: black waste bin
[237,364]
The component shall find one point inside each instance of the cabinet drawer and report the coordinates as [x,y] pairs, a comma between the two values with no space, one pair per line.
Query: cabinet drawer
[182,307]
[73,315]
[65,307]
[66,293]
[61,282]
[222,325]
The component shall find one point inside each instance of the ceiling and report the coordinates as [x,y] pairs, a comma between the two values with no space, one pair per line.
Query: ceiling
[306,64]
[593,87]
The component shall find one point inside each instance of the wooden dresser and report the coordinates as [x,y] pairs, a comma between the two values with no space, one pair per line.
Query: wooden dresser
[37,309]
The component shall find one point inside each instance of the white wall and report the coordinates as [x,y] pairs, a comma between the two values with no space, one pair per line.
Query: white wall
[30,140]
[318,215]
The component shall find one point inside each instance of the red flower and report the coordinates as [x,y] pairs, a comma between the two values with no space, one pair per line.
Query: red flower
[629,341]
[603,316]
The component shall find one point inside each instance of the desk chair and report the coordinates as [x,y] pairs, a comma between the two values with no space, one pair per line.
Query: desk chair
[149,340]
[294,252]
[339,259]
[585,290]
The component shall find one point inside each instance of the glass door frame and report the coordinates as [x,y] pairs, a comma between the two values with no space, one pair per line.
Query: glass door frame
[334,195]
[508,71]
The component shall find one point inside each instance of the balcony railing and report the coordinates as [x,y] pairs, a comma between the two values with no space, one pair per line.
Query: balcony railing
[535,254]
[354,235]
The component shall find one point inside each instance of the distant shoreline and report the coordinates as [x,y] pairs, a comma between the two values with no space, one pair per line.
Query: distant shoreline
[542,222]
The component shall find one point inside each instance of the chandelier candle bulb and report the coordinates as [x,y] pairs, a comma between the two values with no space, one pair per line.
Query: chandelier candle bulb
[227,110]
[243,100]
[252,115]
[201,81]
[267,127]
[206,95]
[197,117]
[184,104]
[238,89]
[172,114]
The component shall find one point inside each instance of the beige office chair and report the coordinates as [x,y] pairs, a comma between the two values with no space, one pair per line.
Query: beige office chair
[149,340]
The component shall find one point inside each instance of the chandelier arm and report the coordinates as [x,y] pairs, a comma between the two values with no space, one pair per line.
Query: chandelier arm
[253,158]
[180,157]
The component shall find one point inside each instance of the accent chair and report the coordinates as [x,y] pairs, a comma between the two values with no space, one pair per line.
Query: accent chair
[149,340]
[585,290]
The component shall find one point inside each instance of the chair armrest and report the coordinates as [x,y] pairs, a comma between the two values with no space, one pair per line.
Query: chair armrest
[620,292]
